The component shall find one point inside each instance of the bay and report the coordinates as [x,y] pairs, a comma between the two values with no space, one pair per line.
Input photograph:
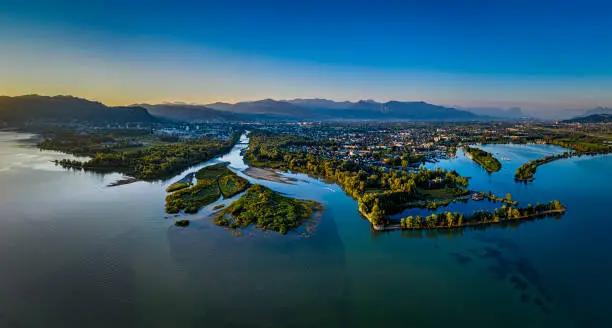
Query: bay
[74,252]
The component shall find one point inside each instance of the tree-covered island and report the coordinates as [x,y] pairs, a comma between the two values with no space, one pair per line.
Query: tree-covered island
[267,210]
[137,154]
[212,182]
[449,220]
[485,159]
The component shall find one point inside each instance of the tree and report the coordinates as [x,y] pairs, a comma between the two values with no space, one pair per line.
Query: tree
[409,222]
[449,219]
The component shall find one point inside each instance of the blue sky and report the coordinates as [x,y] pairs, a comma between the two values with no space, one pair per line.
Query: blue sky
[539,54]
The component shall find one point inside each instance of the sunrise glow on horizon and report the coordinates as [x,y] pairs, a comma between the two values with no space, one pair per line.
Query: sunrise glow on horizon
[526,56]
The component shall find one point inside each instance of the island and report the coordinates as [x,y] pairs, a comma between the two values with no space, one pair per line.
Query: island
[213,182]
[380,165]
[449,220]
[181,223]
[267,210]
[483,158]
[157,159]
[383,191]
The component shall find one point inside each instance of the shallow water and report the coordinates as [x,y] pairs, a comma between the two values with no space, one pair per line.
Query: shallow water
[74,252]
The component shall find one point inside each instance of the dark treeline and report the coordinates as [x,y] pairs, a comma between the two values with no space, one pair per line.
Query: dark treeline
[379,191]
[156,162]
[485,159]
[526,171]
[91,143]
[504,213]
[580,144]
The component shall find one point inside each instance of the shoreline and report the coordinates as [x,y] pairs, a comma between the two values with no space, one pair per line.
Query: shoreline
[267,174]
[396,225]
[122,182]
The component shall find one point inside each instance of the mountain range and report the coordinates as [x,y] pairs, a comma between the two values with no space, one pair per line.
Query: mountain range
[22,109]
[593,118]
[67,108]
[311,109]
[502,113]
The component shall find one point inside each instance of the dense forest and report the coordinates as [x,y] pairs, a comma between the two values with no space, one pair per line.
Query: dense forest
[89,144]
[485,159]
[582,144]
[155,162]
[267,209]
[379,191]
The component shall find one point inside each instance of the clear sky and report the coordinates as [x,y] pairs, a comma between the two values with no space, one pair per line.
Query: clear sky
[534,54]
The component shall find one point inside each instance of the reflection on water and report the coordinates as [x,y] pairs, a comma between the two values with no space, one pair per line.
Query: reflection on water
[74,252]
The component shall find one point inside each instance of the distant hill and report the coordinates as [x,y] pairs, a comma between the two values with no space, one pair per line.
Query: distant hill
[190,113]
[595,118]
[266,107]
[510,113]
[420,110]
[220,106]
[367,105]
[23,109]
[323,109]
[68,108]
[318,103]
[567,114]
[599,110]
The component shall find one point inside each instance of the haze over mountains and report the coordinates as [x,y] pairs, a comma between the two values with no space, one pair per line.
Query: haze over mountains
[314,109]
[68,108]
[509,113]
[593,118]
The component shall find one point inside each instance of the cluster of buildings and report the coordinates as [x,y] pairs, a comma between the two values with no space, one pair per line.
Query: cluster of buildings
[390,145]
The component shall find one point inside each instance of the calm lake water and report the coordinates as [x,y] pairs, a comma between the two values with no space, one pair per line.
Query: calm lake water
[76,253]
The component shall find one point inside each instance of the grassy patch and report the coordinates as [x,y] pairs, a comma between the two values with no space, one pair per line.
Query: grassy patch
[177,186]
[441,193]
[192,199]
[212,172]
[212,182]
[231,184]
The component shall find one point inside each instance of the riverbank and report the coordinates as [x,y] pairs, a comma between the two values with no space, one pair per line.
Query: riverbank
[268,175]
[526,171]
[124,181]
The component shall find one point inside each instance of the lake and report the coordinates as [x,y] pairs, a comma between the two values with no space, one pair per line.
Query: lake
[76,253]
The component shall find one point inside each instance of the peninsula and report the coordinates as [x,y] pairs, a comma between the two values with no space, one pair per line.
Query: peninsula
[485,159]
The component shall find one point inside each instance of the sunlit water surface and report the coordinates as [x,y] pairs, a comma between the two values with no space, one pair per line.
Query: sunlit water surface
[76,253]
